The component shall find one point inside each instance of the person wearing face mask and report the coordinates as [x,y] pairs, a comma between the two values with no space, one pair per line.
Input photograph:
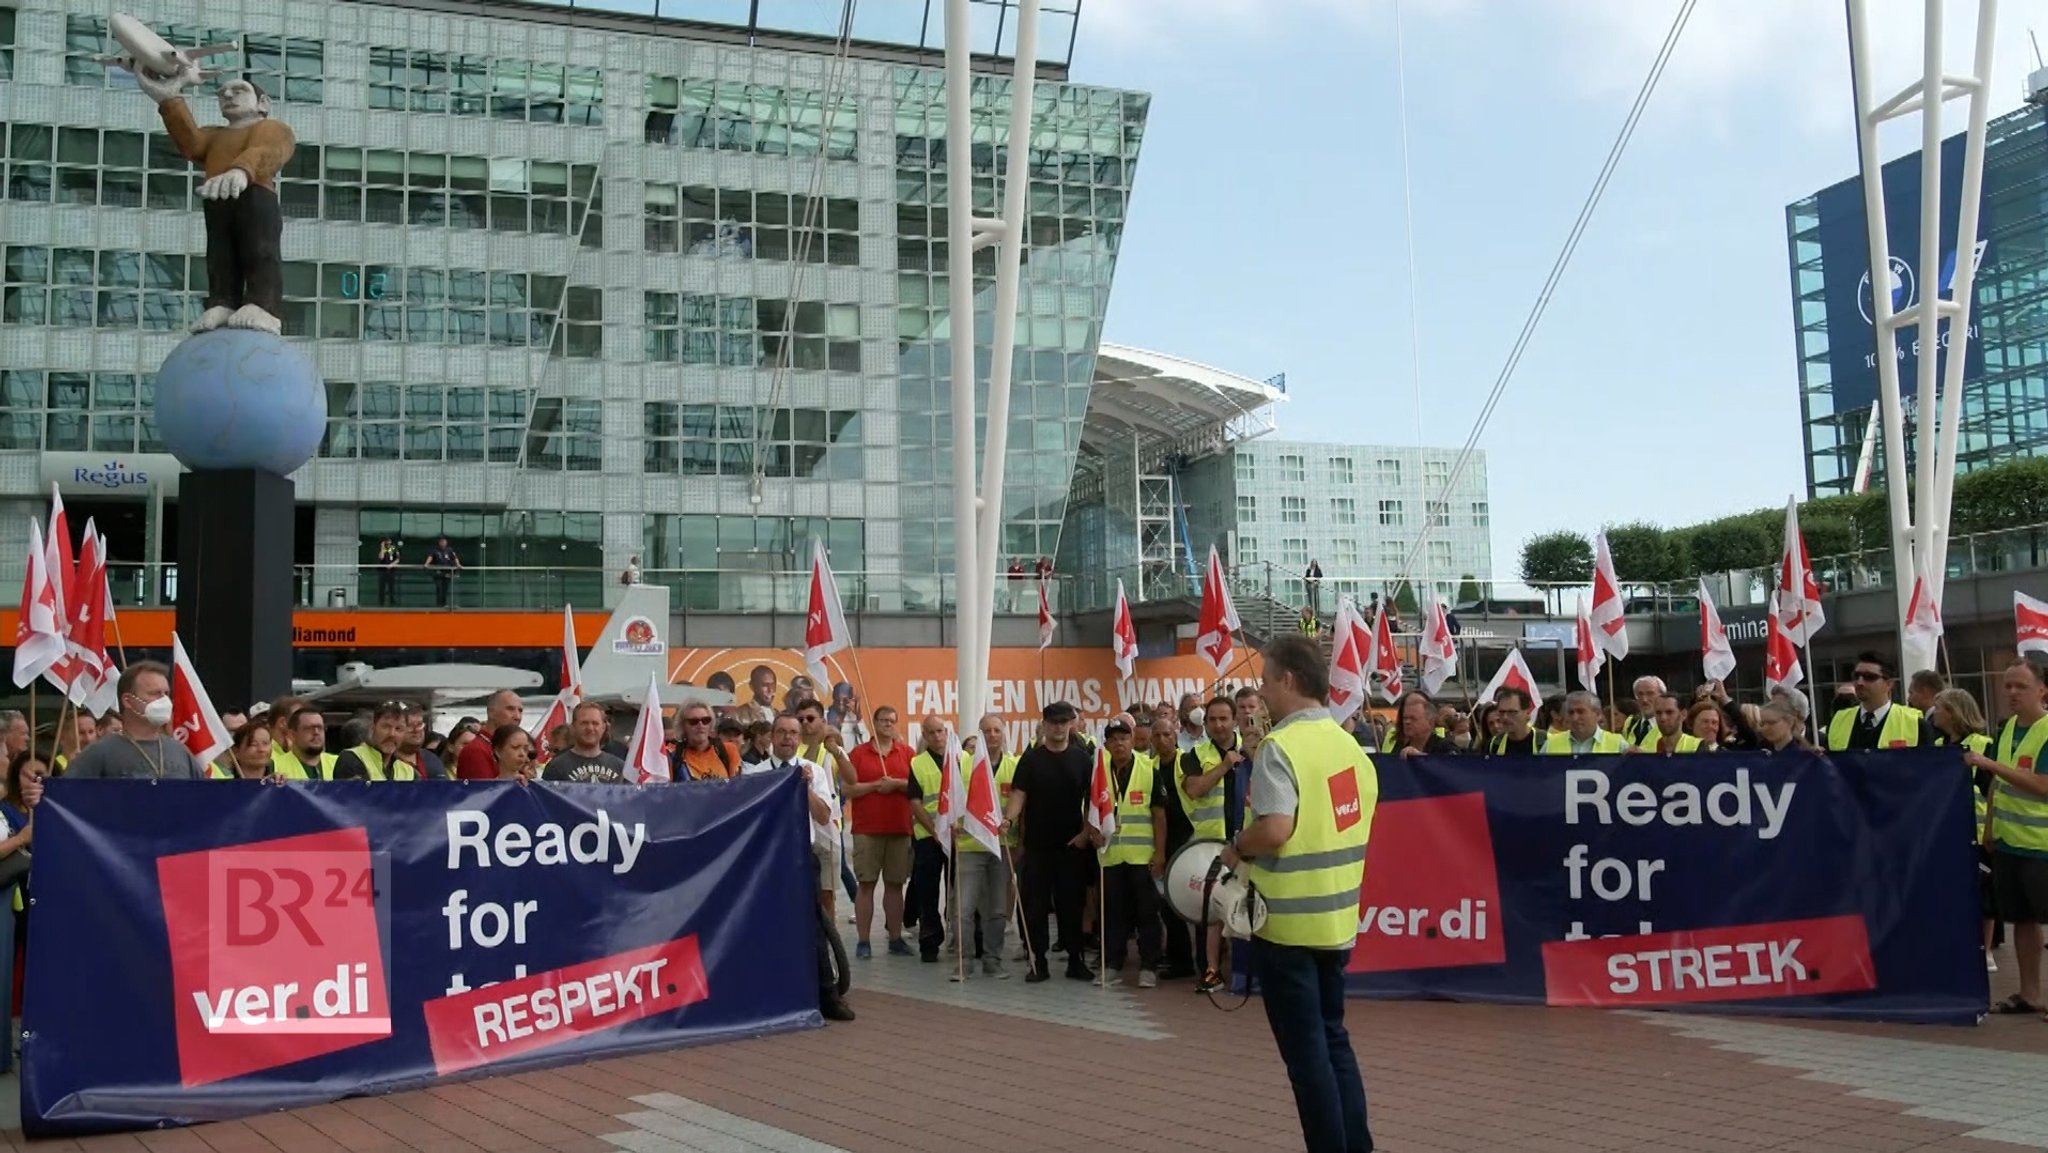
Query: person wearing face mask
[144,749]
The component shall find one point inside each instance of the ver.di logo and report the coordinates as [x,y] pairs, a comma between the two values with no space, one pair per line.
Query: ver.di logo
[277,952]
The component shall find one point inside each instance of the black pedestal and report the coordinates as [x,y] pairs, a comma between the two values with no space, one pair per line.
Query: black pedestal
[235,583]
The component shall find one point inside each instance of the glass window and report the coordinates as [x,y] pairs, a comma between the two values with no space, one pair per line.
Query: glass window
[1344,510]
[1293,469]
[1391,515]
[1247,507]
[1293,509]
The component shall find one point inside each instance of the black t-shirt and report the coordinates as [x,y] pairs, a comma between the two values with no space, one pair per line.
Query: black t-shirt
[570,765]
[1507,746]
[1055,786]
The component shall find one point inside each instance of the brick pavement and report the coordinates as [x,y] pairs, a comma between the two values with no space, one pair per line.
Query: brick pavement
[1002,1067]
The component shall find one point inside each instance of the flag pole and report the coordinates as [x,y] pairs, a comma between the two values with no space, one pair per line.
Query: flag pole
[1017,907]
[115,620]
[1101,920]
[961,931]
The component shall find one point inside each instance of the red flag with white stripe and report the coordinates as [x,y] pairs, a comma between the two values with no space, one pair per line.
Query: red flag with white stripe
[194,721]
[825,630]
[87,640]
[38,643]
[1513,674]
[1717,656]
[1123,635]
[1350,642]
[645,762]
[1215,634]
[1781,655]
[1610,624]
[2031,619]
[1590,653]
[1384,663]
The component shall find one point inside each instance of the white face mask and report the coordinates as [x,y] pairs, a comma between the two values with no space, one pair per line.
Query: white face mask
[1193,716]
[158,712]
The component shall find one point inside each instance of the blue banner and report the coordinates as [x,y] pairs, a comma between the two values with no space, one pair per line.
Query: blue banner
[1846,263]
[207,950]
[1792,884]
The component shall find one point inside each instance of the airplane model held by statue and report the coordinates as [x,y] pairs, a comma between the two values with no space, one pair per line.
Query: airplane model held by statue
[150,53]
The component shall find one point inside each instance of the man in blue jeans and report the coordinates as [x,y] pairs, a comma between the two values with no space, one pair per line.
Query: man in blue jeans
[1313,793]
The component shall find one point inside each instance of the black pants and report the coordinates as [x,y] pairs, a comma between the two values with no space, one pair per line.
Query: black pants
[444,588]
[244,253]
[1055,881]
[1132,908]
[927,868]
[387,587]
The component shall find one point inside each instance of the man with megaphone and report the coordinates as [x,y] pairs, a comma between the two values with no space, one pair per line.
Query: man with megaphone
[1313,793]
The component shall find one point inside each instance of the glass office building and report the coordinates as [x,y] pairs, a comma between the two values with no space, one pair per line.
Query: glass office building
[664,280]
[2005,396]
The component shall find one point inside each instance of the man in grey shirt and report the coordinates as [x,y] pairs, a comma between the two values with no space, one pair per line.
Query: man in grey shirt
[587,761]
[144,748]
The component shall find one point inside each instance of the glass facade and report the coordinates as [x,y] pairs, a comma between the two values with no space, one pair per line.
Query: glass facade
[2005,412]
[574,272]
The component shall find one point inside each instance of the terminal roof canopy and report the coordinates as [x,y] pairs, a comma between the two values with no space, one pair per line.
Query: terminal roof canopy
[918,25]
[1171,405]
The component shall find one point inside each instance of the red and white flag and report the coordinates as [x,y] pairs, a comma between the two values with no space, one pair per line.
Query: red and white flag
[1591,654]
[1099,810]
[194,721]
[1799,607]
[1513,674]
[1781,655]
[1215,634]
[57,546]
[983,818]
[1923,617]
[562,709]
[38,642]
[645,762]
[952,797]
[1610,625]
[1383,664]
[90,670]
[1717,657]
[1439,651]
[1350,642]
[1123,635]
[825,630]
[2031,618]
[1046,624]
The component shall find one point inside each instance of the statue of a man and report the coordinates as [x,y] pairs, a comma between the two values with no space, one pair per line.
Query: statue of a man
[244,222]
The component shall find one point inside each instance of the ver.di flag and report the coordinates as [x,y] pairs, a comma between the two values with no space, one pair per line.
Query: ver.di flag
[1218,625]
[1610,626]
[1923,628]
[645,762]
[87,639]
[1717,657]
[1439,651]
[1513,674]
[38,644]
[1798,593]
[825,630]
[1350,642]
[2030,617]
[1123,635]
[194,721]
[1384,665]
[1590,653]
[563,707]
[1781,656]
[1046,624]
[983,818]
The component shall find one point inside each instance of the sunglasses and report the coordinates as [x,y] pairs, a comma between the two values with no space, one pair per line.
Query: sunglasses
[696,720]
[1865,678]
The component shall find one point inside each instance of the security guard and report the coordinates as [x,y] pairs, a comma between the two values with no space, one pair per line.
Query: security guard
[2019,824]
[1875,722]
[1313,794]
[1582,732]
[377,758]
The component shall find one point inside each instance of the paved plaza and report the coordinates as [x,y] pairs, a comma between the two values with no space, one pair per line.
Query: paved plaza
[1001,1066]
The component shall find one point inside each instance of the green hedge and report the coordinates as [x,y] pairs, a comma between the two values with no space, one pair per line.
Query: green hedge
[2006,495]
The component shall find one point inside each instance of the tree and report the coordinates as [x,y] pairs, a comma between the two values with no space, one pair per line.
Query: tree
[1468,590]
[1557,558]
[1642,554]
[1733,543]
[1406,604]
[2006,495]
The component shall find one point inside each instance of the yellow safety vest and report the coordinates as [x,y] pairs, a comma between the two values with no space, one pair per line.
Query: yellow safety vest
[215,773]
[373,760]
[1131,843]
[1559,743]
[1687,743]
[1901,728]
[285,763]
[1981,745]
[1205,812]
[931,778]
[1311,884]
[1006,772]
[2019,821]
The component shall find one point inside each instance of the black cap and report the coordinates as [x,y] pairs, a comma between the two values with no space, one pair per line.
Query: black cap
[1060,712]
[1116,725]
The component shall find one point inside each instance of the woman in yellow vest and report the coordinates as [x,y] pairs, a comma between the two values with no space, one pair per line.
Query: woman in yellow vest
[249,754]
[1958,721]
[1313,793]
[2019,824]
[1582,732]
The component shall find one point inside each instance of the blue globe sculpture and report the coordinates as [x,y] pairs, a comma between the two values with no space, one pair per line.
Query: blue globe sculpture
[235,398]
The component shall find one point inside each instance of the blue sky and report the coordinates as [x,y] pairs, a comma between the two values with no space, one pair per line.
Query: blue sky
[1266,230]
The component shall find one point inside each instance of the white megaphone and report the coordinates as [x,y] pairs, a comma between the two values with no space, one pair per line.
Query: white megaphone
[1201,889]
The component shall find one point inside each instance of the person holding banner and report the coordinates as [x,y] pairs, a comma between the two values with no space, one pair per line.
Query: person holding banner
[1513,736]
[2019,824]
[1582,732]
[1313,795]
[1874,722]
[144,749]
